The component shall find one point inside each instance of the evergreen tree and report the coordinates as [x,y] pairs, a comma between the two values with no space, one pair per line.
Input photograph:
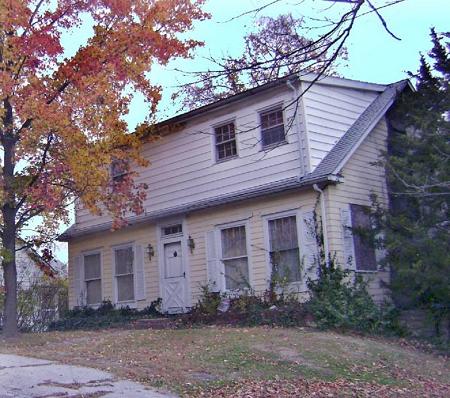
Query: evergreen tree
[418,171]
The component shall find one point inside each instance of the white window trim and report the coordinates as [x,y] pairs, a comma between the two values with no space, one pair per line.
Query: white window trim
[214,157]
[218,237]
[88,253]
[171,224]
[130,303]
[268,109]
[297,285]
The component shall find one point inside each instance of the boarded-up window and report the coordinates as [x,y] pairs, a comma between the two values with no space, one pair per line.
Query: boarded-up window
[92,278]
[284,253]
[363,240]
[272,127]
[124,273]
[234,257]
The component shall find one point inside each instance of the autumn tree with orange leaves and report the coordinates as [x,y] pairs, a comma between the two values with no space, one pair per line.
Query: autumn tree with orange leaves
[61,119]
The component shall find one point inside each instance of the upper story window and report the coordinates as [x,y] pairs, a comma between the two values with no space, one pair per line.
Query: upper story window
[119,169]
[225,136]
[272,127]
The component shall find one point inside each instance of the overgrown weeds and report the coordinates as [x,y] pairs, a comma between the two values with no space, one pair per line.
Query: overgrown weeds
[106,315]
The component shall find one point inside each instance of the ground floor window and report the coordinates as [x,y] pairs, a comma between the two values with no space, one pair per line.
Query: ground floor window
[363,239]
[124,273]
[235,257]
[92,278]
[283,248]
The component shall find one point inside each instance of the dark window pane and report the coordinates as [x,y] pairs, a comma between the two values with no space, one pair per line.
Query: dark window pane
[284,252]
[286,264]
[92,266]
[173,229]
[125,288]
[225,133]
[119,167]
[225,141]
[273,135]
[226,150]
[233,242]
[363,242]
[236,273]
[93,292]
[124,261]
[272,127]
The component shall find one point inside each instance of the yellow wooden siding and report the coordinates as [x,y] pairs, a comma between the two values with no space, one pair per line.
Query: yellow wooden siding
[196,225]
[361,178]
[105,242]
[252,212]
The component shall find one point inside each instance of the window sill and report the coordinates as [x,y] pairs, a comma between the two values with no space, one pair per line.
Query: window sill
[267,148]
[122,304]
[94,306]
[218,161]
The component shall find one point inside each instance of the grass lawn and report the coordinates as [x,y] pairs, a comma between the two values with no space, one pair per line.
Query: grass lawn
[248,362]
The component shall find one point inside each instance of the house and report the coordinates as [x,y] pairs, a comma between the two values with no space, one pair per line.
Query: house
[32,267]
[40,298]
[235,186]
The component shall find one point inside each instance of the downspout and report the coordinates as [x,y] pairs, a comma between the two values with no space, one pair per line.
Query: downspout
[296,122]
[324,222]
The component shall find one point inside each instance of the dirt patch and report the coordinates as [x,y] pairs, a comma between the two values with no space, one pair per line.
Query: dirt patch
[291,355]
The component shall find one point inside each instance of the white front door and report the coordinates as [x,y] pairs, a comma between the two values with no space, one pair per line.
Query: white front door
[174,278]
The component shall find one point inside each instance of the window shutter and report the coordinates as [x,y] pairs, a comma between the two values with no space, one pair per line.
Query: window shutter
[213,264]
[347,239]
[139,276]
[308,245]
[78,281]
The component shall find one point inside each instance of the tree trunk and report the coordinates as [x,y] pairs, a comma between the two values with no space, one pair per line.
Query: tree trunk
[10,277]
[9,211]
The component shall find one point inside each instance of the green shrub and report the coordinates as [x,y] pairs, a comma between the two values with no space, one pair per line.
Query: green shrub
[247,309]
[106,315]
[341,301]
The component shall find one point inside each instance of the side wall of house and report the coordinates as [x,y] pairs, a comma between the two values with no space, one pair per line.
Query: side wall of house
[361,179]
[329,112]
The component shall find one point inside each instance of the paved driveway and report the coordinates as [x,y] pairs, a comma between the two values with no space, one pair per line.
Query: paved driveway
[23,377]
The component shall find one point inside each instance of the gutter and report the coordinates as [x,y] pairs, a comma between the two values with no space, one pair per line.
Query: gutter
[324,222]
[296,101]
[232,197]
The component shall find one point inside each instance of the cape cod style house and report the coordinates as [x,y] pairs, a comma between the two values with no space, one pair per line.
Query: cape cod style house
[235,188]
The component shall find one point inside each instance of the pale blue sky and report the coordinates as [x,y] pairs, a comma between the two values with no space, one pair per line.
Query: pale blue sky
[374,56]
